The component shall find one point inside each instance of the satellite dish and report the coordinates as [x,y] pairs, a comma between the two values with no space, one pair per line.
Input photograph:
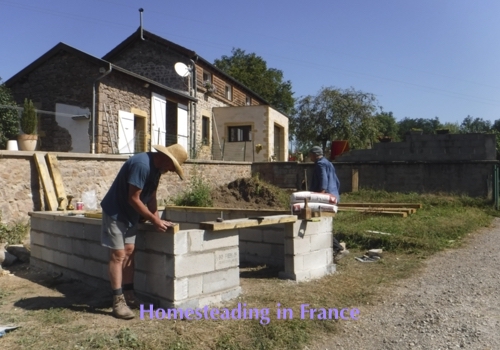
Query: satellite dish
[182,69]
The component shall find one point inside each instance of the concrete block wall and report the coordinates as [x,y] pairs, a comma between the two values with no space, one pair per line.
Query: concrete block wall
[191,268]
[308,249]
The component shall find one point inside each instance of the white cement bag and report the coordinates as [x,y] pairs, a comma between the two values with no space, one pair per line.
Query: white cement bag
[327,198]
[327,208]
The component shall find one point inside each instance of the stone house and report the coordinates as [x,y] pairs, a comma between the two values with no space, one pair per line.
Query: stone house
[223,133]
[68,86]
[139,99]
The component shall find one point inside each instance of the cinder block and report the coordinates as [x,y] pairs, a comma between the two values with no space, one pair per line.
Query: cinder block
[76,263]
[273,236]
[159,285]
[64,244]
[294,263]
[149,261]
[298,245]
[79,247]
[139,281]
[321,241]
[97,252]
[36,237]
[35,251]
[221,280]
[50,241]
[278,252]
[60,258]
[226,258]
[160,241]
[195,240]
[220,239]
[231,294]
[181,287]
[92,232]
[93,268]
[195,286]
[315,259]
[47,255]
[251,235]
[179,216]
[259,249]
[197,217]
[188,265]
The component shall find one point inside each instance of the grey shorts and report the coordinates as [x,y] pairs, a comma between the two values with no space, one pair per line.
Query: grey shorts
[115,234]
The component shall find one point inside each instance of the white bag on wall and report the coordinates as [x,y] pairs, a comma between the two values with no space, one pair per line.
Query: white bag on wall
[327,208]
[327,198]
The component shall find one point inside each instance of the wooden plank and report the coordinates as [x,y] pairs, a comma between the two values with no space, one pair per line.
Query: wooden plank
[48,187]
[404,210]
[247,222]
[57,178]
[355,180]
[382,205]
[98,215]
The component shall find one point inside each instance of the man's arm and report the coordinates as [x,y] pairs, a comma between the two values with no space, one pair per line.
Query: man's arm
[135,201]
[323,177]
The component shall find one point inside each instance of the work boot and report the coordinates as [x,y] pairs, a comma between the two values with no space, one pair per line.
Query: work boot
[131,299]
[120,308]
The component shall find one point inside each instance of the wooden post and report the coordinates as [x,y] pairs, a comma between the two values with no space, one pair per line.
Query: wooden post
[355,180]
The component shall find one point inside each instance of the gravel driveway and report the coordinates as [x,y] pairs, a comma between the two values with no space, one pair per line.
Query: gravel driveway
[454,303]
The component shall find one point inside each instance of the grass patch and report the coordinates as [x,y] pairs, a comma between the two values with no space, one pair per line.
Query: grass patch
[197,194]
[13,234]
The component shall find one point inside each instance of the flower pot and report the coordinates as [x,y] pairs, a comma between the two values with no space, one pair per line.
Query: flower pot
[12,145]
[27,142]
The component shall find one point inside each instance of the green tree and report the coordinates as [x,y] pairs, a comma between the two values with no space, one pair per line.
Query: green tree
[475,125]
[335,114]
[9,120]
[387,125]
[251,70]
[428,126]
[454,128]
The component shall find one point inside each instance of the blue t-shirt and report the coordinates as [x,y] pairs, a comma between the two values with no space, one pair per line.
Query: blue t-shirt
[325,178]
[139,170]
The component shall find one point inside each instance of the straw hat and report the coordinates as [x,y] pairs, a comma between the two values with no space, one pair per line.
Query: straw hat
[178,155]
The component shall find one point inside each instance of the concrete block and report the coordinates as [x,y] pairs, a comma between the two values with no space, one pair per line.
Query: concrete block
[60,258]
[98,252]
[93,268]
[298,245]
[294,263]
[185,304]
[139,281]
[226,258]
[195,286]
[315,259]
[220,239]
[180,245]
[159,241]
[321,241]
[273,236]
[92,232]
[221,280]
[150,261]
[64,244]
[50,241]
[259,249]
[278,252]
[197,217]
[79,247]
[35,251]
[158,284]
[47,255]
[179,216]
[181,288]
[188,265]
[36,237]
[251,235]
[195,240]
[189,226]
[76,263]
[231,294]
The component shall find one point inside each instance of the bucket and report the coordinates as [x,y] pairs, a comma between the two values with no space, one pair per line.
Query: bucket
[338,147]
[12,145]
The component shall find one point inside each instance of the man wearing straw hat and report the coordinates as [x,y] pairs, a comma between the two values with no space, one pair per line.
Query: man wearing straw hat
[131,196]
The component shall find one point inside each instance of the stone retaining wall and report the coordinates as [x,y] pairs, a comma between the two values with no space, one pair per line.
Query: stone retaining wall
[21,191]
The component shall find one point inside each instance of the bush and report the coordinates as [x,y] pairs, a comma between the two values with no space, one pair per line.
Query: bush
[12,234]
[9,121]
[28,118]
[198,194]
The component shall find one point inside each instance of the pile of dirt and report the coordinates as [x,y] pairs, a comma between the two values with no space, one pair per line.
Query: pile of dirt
[250,193]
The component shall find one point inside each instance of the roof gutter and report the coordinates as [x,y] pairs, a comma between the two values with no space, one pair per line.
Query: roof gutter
[94,87]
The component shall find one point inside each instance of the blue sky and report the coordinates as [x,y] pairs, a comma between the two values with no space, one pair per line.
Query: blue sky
[421,59]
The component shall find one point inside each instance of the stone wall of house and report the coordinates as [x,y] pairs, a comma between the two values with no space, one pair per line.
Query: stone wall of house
[48,85]
[21,191]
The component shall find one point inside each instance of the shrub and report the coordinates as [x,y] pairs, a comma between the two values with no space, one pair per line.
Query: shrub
[28,118]
[198,194]
[9,121]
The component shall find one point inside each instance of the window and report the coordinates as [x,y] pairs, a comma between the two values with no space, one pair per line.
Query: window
[228,92]
[207,76]
[248,101]
[240,133]
[205,131]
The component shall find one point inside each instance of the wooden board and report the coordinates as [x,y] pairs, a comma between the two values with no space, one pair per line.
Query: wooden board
[57,178]
[48,187]
[247,222]
[409,211]
[98,215]
[382,205]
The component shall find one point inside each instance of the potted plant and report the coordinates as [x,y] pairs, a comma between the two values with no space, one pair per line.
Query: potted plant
[207,84]
[416,131]
[28,138]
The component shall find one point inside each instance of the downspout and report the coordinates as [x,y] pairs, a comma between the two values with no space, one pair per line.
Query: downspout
[93,105]
[195,89]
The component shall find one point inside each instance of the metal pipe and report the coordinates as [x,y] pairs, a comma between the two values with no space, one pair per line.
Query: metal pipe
[141,10]
[195,90]
[93,105]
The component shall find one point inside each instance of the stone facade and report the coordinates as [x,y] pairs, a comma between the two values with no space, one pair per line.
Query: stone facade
[21,191]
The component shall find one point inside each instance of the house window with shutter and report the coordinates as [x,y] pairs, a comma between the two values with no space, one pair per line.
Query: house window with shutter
[240,133]
[228,92]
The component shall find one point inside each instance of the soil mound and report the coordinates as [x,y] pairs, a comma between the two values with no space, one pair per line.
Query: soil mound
[250,193]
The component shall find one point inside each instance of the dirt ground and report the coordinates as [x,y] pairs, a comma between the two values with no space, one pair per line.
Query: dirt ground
[250,193]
